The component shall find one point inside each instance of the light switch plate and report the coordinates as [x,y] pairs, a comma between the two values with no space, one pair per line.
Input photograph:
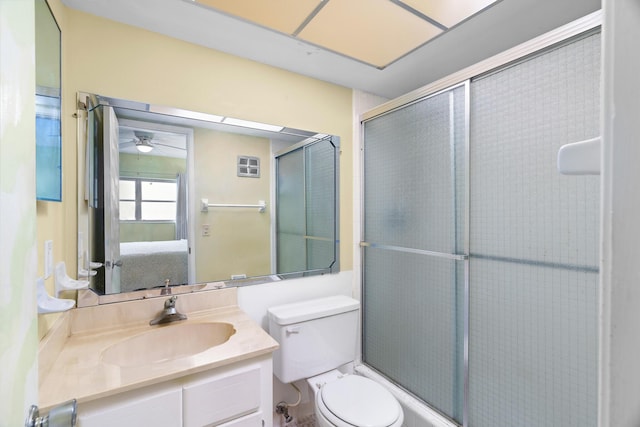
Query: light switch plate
[48,258]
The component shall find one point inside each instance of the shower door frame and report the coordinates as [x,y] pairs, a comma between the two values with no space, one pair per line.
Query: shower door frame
[579,28]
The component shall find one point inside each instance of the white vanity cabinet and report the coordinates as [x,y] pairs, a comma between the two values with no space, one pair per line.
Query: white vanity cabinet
[235,395]
[217,397]
[152,406]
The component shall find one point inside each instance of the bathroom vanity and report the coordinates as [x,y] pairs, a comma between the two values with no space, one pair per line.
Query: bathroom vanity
[228,396]
[212,369]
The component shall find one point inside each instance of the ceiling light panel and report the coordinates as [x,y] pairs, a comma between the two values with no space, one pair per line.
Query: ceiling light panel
[449,12]
[376,32]
[280,15]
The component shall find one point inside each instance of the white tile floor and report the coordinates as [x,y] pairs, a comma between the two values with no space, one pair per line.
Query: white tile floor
[304,421]
[308,421]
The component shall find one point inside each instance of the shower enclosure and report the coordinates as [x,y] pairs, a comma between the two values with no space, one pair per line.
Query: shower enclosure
[480,261]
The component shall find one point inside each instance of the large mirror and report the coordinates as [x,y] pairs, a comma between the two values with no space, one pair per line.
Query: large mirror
[170,198]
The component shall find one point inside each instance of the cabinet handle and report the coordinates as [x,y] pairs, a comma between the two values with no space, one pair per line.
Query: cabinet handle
[63,415]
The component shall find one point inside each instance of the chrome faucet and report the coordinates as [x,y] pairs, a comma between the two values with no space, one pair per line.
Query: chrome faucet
[169,314]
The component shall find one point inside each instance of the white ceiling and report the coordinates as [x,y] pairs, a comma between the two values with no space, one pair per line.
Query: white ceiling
[502,26]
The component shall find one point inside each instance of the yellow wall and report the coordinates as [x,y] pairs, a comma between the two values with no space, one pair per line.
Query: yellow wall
[117,60]
[232,231]
[57,220]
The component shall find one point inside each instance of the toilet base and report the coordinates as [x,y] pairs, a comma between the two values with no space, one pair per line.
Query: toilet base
[324,417]
[321,421]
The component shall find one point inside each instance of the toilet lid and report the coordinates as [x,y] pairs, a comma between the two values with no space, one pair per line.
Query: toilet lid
[360,401]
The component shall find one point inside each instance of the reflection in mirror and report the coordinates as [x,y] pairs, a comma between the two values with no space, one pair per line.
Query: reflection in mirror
[174,198]
[306,210]
[152,204]
[48,130]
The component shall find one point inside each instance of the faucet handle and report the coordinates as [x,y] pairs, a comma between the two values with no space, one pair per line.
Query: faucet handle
[166,290]
[171,302]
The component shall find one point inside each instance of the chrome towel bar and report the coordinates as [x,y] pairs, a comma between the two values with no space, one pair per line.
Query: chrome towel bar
[205,205]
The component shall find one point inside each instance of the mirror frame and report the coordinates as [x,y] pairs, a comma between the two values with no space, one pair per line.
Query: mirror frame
[89,297]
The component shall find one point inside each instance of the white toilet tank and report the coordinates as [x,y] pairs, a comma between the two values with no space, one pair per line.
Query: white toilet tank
[315,336]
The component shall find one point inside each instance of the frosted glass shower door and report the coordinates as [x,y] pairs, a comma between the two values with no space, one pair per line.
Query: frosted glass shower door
[480,260]
[534,243]
[414,248]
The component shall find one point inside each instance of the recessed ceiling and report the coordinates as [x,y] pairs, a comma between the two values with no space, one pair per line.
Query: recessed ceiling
[265,34]
[373,32]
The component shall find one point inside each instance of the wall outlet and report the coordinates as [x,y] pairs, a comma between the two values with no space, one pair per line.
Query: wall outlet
[48,258]
[206,230]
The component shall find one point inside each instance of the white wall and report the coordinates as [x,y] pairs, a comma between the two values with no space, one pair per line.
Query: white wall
[619,387]
[18,320]
[256,300]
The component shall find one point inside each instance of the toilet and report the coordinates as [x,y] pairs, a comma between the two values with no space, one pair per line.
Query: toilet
[316,337]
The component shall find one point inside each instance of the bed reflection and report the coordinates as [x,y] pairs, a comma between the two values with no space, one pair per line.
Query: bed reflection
[148,265]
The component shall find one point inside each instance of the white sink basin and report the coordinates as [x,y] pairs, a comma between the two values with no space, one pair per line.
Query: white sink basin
[168,342]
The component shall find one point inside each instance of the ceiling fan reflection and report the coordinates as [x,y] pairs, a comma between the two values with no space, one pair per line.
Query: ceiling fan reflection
[145,142]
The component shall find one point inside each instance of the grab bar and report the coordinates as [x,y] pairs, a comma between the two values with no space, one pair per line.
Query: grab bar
[205,205]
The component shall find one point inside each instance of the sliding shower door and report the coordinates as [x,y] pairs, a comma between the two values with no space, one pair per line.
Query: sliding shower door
[480,260]
[414,248]
[534,243]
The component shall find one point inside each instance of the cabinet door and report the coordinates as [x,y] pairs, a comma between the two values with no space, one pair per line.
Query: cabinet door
[145,407]
[228,394]
[253,420]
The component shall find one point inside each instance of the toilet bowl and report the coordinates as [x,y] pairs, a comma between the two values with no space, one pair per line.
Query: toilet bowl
[350,400]
[316,337]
